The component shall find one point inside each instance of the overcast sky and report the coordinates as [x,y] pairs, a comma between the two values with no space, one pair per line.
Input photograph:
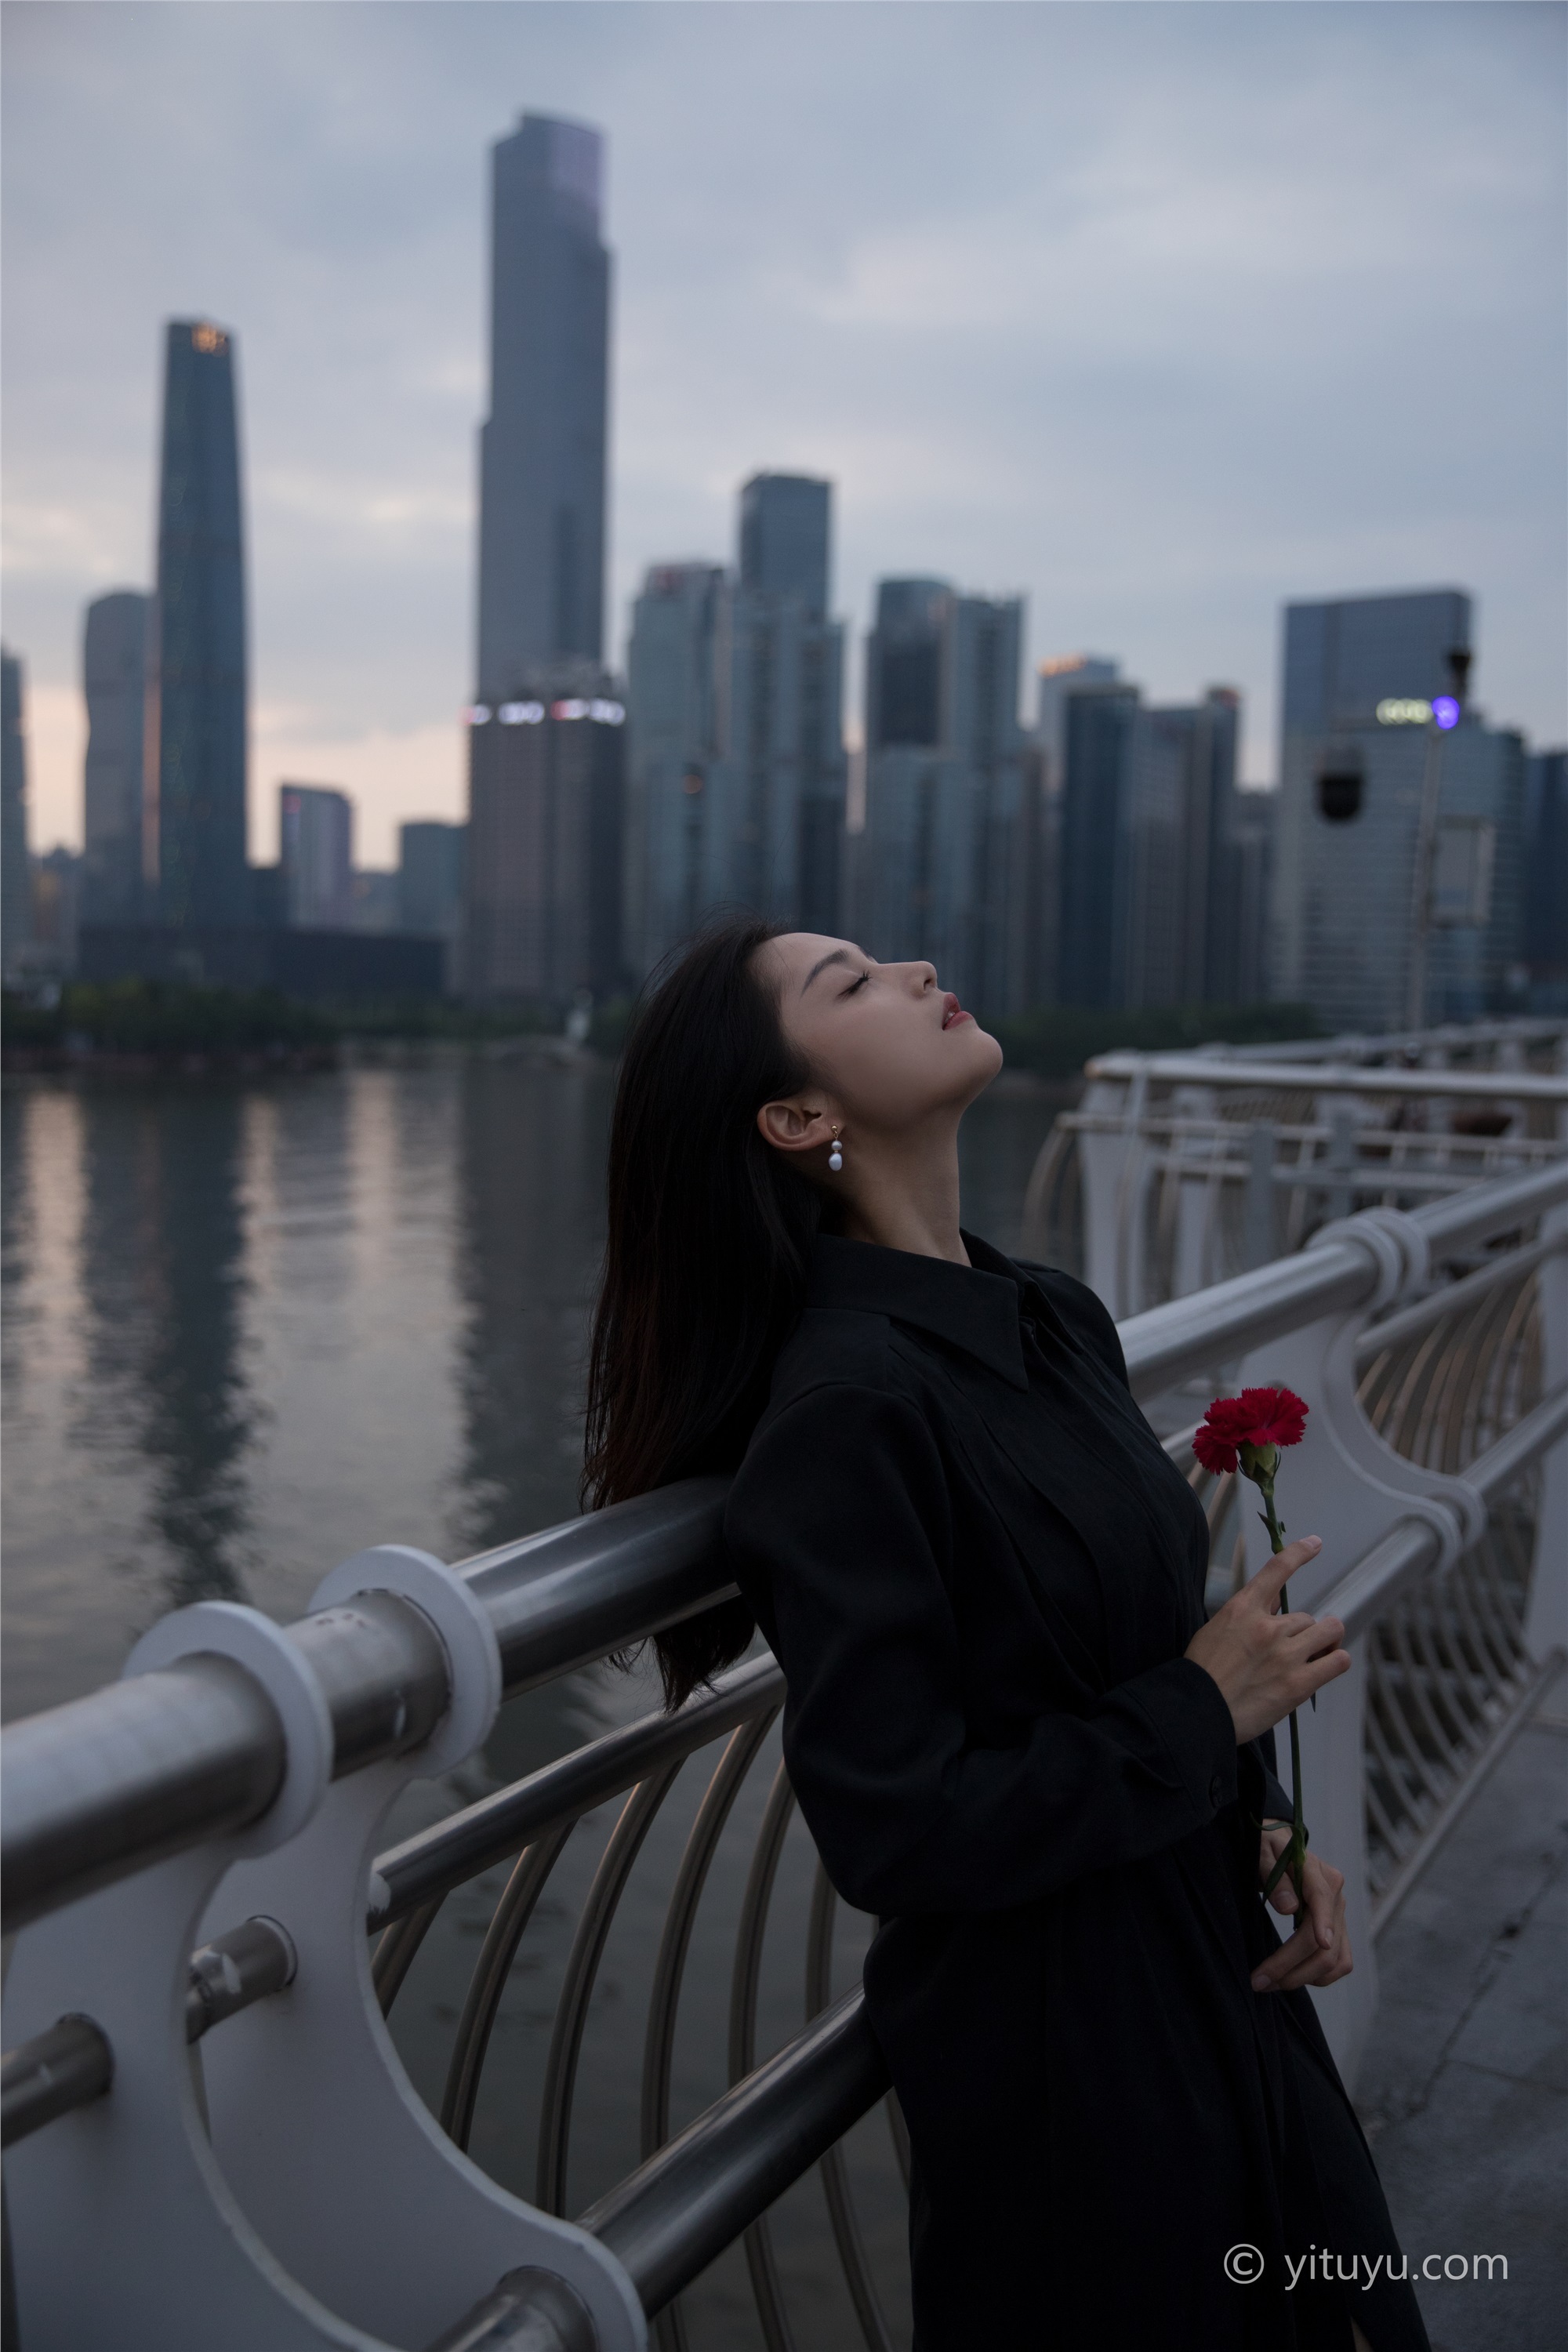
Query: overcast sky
[1160,314]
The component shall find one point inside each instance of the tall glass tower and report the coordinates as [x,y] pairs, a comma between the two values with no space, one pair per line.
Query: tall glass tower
[198,784]
[115,678]
[541,450]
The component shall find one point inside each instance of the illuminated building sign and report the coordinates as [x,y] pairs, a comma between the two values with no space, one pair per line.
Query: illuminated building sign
[1409,710]
[209,339]
[531,714]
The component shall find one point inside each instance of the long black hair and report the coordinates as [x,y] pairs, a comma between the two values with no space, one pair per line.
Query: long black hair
[709,1231]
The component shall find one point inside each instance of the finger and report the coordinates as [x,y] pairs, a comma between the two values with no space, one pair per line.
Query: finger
[1305,1959]
[1318,1968]
[1271,1974]
[1283,1894]
[1326,1633]
[1278,1571]
[1299,1962]
[1316,1671]
[1311,1634]
[1323,1901]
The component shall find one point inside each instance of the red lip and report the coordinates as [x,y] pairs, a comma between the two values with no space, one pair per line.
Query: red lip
[954,1011]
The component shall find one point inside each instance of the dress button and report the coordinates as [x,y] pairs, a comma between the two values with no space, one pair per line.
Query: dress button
[1217,1790]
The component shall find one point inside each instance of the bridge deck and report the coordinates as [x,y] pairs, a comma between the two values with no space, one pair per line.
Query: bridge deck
[1464,2089]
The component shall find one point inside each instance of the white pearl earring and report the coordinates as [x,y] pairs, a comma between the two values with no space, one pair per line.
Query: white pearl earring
[836,1154]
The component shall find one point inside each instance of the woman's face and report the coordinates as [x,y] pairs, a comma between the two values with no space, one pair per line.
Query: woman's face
[890,1047]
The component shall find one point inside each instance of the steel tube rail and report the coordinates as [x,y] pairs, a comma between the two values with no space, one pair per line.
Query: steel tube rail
[1484,1210]
[135,1773]
[1187,1335]
[1350,1045]
[529,2311]
[1411,1321]
[72,2063]
[107,1785]
[48,2076]
[430,1864]
[670,2218]
[572,1593]
[1331,1078]
[1540,1428]
[1366,1590]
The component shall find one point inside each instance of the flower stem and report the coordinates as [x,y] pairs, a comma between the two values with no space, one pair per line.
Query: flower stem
[1294,1857]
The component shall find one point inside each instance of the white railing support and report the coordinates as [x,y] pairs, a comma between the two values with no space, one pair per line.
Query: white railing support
[309,2198]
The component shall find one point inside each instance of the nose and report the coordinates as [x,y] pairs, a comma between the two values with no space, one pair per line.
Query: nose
[925,974]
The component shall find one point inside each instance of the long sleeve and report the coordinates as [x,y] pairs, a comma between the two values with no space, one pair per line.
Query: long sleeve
[839,1532]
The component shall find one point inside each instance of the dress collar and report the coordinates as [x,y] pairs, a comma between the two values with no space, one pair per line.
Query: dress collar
[973,1306]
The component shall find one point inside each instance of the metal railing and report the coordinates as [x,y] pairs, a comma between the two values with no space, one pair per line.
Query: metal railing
[1178,1170]
[1433,1332]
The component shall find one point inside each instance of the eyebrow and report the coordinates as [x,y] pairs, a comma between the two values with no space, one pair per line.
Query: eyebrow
[839,955]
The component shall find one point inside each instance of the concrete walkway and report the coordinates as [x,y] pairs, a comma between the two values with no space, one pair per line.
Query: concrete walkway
[1464,2090]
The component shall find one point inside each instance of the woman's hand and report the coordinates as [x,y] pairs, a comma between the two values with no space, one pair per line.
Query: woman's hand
[1318,1953]
[1265,1664]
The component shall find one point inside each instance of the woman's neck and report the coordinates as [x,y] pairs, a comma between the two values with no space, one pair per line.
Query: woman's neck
[905,1197]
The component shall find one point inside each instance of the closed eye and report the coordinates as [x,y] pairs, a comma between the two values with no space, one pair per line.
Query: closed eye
[854,984]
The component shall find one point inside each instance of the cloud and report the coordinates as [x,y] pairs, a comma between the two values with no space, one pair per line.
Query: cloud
[1162,315]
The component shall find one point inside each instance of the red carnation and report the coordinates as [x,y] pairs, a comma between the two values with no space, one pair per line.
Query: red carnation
[1245,1433]
[1262,1420]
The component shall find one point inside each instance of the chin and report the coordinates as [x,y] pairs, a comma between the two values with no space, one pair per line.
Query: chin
[982,1056]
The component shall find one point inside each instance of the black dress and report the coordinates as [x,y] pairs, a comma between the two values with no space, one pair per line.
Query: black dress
[979,1571]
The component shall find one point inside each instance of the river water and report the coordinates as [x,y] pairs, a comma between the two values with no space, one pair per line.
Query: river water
[251,1327]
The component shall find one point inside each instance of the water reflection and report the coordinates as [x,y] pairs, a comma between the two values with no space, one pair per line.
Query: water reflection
[164,1282]
[531,1143]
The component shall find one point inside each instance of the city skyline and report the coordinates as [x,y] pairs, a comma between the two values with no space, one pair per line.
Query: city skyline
[1100,378]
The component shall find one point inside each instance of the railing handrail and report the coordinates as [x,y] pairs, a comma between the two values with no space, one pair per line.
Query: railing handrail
[1355,1045]
[1329,1077]
[556,1600]
[669,2219]
[1165,1343]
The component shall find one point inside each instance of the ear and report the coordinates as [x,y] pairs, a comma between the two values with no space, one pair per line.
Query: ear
[801,1123]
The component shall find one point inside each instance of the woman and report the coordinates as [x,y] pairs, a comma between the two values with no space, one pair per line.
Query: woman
[1012,1732]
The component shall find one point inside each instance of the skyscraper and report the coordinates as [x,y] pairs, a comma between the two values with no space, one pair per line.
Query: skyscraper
[1152,906]
[316,857]
[15,874]
[117,653]
[779,821]
[545,863]
[542,462]
[944,860]
[431,857]
[1057,676]
[1545,942]
[198,783]
[1098,735]
[675,683]
[1366,679]
[786,521]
